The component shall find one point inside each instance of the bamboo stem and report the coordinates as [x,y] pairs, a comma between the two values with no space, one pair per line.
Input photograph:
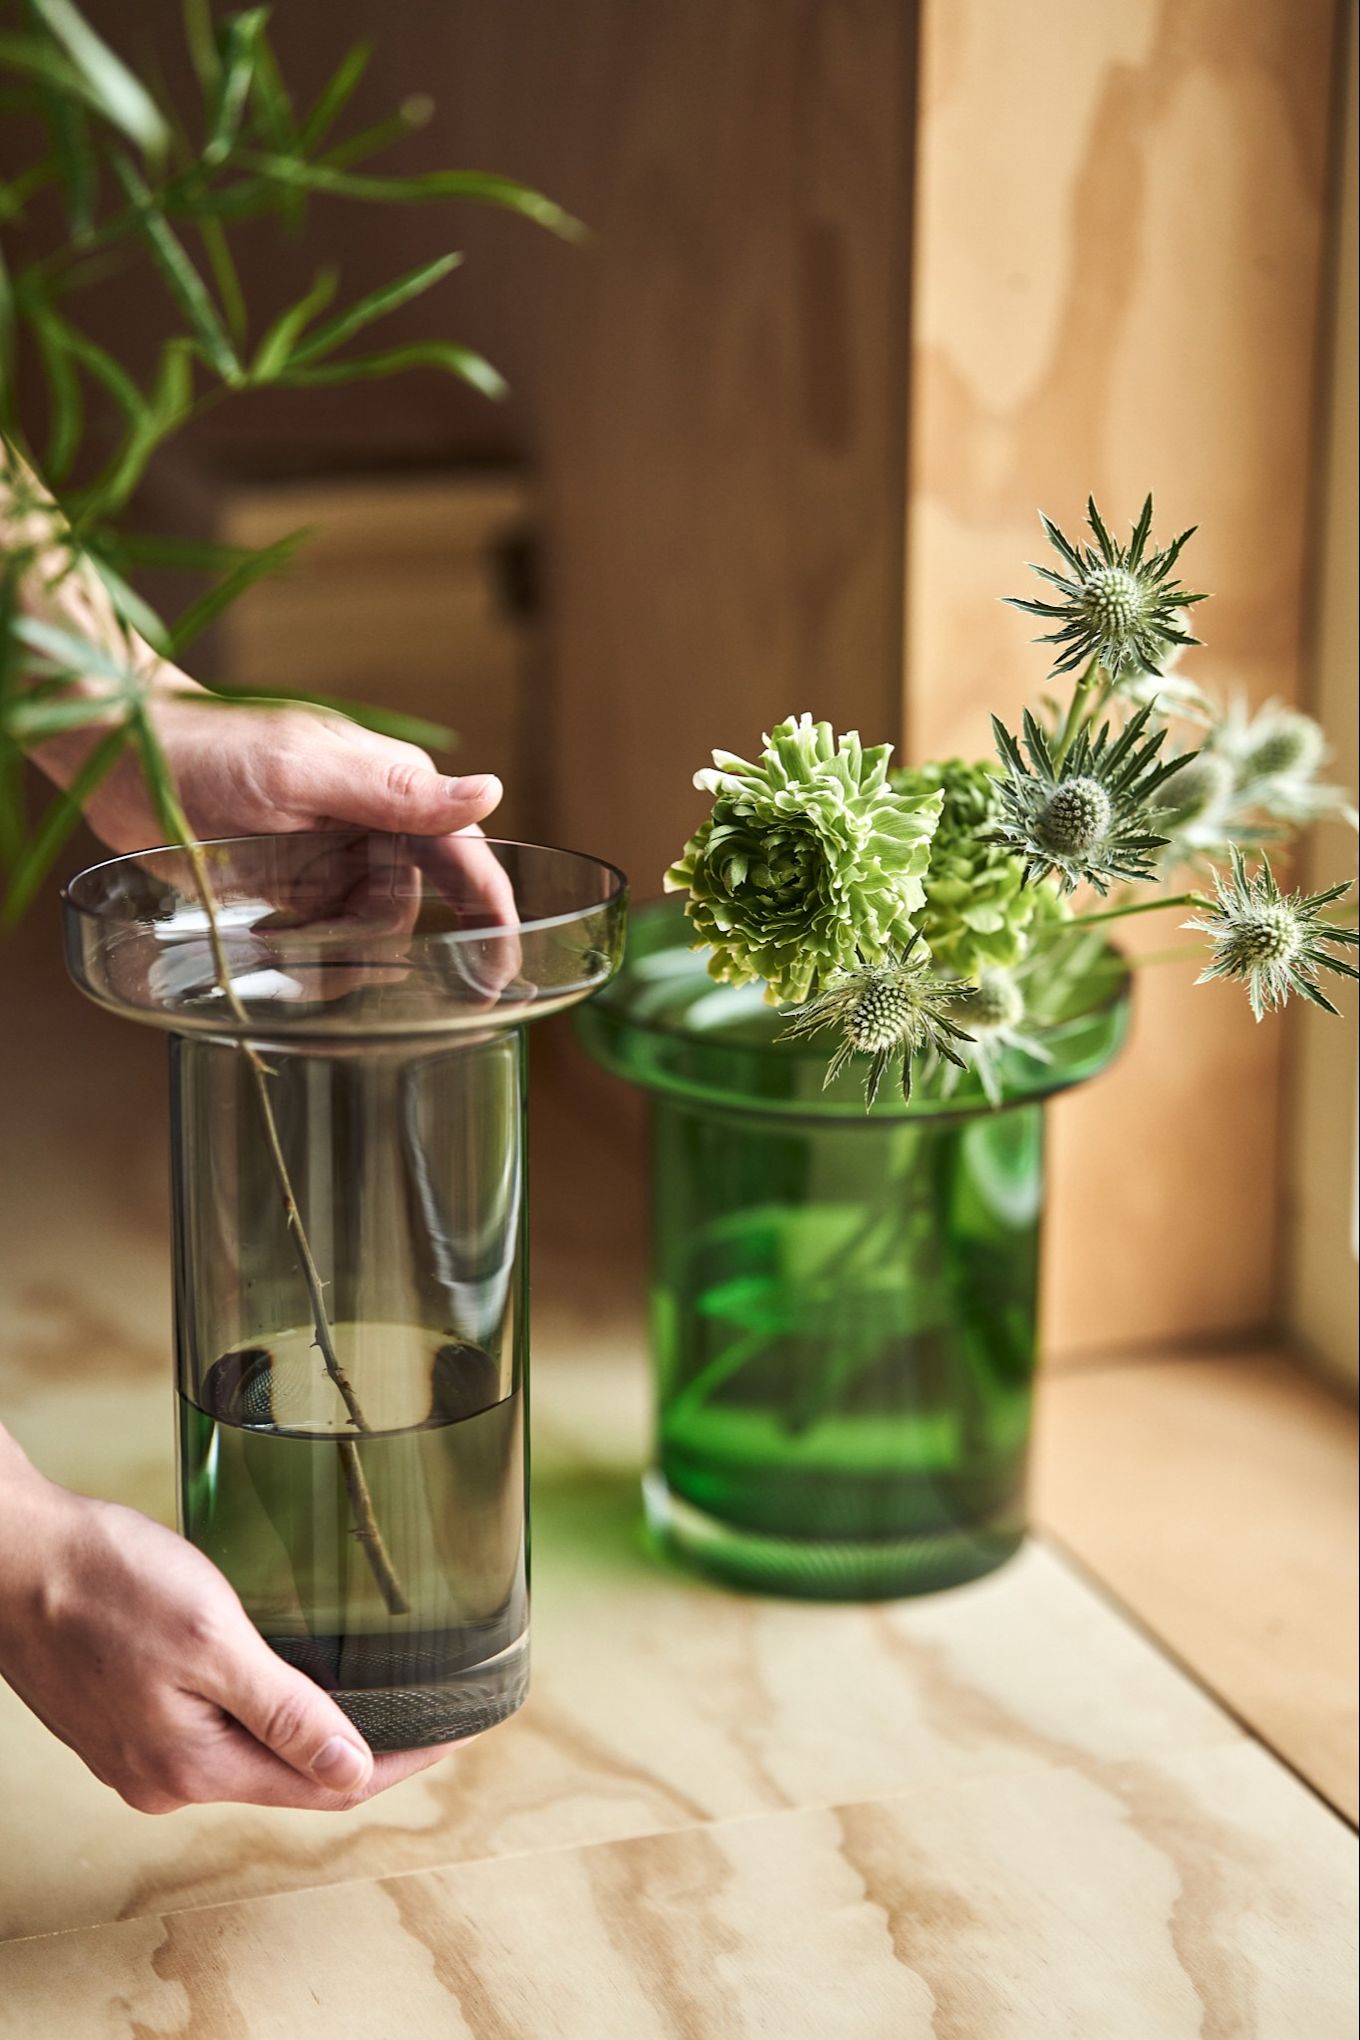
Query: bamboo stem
[366,1526]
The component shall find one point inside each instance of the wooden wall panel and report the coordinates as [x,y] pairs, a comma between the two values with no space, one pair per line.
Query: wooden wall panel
[1117,271]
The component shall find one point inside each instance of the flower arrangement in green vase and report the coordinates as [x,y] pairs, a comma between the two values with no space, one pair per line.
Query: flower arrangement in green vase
[844,1307]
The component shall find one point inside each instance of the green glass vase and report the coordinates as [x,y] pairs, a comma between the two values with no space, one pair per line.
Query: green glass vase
[843,1303]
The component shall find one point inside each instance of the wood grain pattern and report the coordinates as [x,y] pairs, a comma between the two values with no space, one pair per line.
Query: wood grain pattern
[1119,241]
[1162,1897]
[1217,1499]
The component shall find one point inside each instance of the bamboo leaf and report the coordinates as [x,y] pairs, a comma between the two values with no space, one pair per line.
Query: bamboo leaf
[102,366]
[75,160]
[225,276]
[376,305]
[30,721]
[69,654]
[67,405]
[186,555]
[389,722]
[483,187]
[253,567]
[110,85]
[201,43]
[334,96]
[130,606]
[59,819]
[470,367]
[235,74]
[277,345]
[185,284]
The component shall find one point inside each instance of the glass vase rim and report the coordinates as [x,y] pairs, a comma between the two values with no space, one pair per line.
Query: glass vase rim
[715,1091]
[532,925]
[344,936]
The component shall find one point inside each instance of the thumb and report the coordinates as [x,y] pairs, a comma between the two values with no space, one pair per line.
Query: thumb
[384,785]
[283,1709]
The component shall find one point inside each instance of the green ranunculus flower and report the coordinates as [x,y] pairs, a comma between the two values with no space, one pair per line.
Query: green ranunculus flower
[811,862]
[977,908]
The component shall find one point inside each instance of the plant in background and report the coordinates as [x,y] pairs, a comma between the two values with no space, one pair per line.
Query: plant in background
[953,944]
[150,189]
[144,188]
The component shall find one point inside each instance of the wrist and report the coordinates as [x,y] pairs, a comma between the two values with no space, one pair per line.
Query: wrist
[34,1515]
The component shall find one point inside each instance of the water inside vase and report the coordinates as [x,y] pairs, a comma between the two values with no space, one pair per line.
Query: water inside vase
[432,1644]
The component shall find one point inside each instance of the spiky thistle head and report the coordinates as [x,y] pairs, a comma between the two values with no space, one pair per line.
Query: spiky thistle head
[1091,816]
[888,1011]
[809,863]
[1119,603]
[977,907]
[995,1017]
[1273,942]
[1276,755]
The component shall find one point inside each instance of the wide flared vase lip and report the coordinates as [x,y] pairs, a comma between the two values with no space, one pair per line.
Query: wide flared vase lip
[344,933]
[631,1032]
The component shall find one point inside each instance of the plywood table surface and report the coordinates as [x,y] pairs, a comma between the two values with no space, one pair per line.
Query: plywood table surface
[999,1811]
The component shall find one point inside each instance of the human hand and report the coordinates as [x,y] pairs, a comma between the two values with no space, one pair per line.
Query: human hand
[133,1649]
[244,771]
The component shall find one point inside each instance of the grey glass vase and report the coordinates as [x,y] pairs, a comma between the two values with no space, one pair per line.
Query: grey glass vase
[347,1065]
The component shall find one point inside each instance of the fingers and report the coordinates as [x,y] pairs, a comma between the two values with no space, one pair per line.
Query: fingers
[471,877]
[286,1712]
[342,774]
[236,1769]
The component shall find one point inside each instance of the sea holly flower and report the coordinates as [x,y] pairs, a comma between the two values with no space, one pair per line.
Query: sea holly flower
[995,1015]
[1276,756]
[1119,603]
[977,905]
[1092,817]
[1273,942]
[810,862]
[888,1011]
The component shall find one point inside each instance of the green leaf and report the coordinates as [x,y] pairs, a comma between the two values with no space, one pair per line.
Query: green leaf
[378,303]
[110,86]
[334,96]
[72,655]
[30,721]
[253,567]
[60,818]
[389,722]
[277,345]
[185,284]
[202,43]
[129,605]
[184,555]
[67,405]
[483,187]
[460,361]
[228,283]
[235,73]
[102,366]
[75,160]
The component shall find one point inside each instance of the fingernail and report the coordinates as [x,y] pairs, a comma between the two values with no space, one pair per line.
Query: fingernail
[339,1764]
[477,786]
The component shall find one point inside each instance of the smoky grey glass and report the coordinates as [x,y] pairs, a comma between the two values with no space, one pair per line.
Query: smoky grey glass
[347,1088]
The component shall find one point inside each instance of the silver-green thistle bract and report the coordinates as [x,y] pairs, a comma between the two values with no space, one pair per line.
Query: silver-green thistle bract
[1273,942]
[1276,755]
[888,1011]
[995,1016]
[809,864]
[1119,603]
[1090,817]
[977,905]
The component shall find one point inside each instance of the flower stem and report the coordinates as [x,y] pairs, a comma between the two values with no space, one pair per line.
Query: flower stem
[1076,713]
